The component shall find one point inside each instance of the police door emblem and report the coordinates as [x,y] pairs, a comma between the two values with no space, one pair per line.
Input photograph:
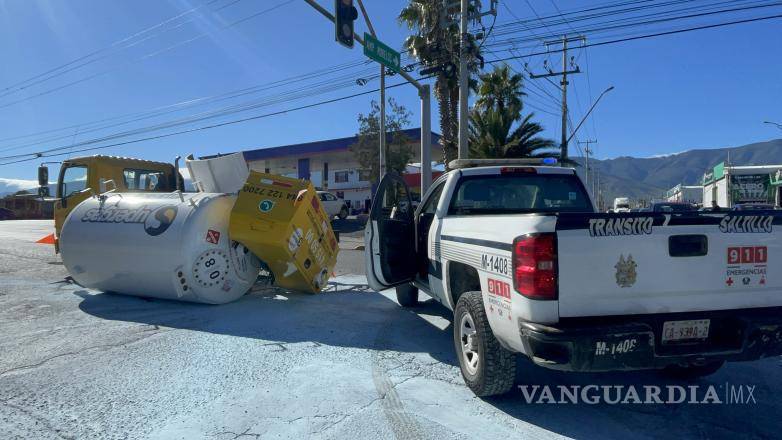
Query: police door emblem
[625,271]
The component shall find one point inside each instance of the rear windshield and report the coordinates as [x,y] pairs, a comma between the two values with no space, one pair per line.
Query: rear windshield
[146,180]
[519,194]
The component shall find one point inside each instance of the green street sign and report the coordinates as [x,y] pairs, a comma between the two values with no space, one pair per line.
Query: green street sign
[376,50]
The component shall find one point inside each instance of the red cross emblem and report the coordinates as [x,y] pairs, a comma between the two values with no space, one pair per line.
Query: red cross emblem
[729,281]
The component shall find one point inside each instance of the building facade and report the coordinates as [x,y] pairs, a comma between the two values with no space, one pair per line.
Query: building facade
[28,206]
[732,185]
[685,194]
[330,165]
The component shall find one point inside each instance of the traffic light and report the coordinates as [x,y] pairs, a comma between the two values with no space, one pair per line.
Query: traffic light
[344,16]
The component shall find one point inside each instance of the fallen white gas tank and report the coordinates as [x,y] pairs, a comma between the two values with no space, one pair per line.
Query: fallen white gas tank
[167,246]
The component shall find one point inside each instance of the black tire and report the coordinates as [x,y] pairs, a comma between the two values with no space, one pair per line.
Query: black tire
[494,370]
[343,213]
[407,295]
[690,372]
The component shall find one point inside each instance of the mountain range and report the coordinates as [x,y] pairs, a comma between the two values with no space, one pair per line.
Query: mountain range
[10,186]
[648,178]
[624,176]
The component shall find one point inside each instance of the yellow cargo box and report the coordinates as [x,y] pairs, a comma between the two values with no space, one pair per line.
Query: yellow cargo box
[281,221]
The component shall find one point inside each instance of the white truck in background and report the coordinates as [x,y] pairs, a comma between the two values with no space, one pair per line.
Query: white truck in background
[621,204]
[520,256]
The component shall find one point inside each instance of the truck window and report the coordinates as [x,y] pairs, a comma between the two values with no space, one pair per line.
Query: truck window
[395,204]
[519,194]
[430,206]
[145,180]
[74,179]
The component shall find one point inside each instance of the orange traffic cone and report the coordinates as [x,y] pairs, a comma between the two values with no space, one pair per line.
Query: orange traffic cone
[49,239]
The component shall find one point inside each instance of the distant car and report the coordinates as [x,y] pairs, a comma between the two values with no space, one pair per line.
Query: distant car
[753,207]
[6,214]
[672,207]
[333,205]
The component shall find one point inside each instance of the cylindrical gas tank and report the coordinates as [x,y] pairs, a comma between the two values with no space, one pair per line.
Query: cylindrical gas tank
[171,246]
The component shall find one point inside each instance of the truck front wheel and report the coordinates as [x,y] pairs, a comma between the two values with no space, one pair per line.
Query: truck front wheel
[487,368]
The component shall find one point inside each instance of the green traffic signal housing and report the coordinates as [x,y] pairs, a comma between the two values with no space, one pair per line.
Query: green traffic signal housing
[344,16]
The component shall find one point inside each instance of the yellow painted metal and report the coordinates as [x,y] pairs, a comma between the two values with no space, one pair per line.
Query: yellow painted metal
[105,168]
[281,220]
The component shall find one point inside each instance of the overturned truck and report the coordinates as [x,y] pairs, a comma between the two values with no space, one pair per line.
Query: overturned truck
[206,247]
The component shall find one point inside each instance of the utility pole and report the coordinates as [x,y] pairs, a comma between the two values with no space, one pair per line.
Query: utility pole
[564,83]
[563,143]
[596,190]
[382,168]
[587,152]
[464,75]
[423,91]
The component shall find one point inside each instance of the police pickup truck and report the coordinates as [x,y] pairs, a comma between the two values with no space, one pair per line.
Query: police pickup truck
[520,256]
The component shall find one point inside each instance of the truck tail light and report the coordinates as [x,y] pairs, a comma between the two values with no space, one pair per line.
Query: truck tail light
[535,266]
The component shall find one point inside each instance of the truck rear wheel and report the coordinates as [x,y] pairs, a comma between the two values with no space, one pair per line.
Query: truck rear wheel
[692,371]
[487,368]
[407,295]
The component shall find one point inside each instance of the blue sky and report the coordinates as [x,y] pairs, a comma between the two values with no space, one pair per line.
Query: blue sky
[696,90]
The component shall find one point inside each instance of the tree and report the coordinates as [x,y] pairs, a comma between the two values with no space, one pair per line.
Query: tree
[493,136]
[435,43]
[399,152]
[497,128]
[500,89]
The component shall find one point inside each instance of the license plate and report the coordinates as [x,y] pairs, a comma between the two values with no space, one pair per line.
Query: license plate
[685,330]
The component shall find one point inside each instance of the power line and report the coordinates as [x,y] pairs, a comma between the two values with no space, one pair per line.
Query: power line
[609,25]
[160,111]
[508,27]
[18,85]
[320,73]
[131,62]
[642,37]
[286,96]
[208,127]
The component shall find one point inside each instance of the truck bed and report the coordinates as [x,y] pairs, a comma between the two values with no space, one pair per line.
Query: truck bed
[650,263]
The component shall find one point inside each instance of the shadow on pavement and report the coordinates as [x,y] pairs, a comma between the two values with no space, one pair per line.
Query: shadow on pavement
[346,315]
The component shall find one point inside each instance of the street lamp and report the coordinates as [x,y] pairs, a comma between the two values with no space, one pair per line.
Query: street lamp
[587,114]
[779,126]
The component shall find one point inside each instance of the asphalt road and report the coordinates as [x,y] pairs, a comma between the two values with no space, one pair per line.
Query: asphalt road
[346,363]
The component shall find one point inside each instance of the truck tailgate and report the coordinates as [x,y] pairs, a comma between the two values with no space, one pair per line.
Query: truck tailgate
[642,263]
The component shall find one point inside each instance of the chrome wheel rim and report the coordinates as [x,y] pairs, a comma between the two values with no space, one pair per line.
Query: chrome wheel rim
[468,337]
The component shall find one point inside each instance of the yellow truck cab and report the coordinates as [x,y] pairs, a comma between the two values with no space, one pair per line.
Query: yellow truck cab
[82,177]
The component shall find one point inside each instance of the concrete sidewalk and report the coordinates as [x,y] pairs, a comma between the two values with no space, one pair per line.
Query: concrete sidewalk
[351,243]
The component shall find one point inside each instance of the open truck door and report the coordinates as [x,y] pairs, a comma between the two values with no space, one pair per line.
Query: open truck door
[389,247]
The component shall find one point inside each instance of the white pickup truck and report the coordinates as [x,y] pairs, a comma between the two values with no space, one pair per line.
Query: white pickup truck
[519,255]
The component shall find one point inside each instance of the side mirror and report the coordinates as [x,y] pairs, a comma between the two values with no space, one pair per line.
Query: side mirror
[43,176]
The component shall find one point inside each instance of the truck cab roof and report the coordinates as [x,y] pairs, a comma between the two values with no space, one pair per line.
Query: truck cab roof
[472,167]
[116,160]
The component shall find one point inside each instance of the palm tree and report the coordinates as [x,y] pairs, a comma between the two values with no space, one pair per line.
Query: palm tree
[434,43]
[497,128]
[501,89]
[493,136]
